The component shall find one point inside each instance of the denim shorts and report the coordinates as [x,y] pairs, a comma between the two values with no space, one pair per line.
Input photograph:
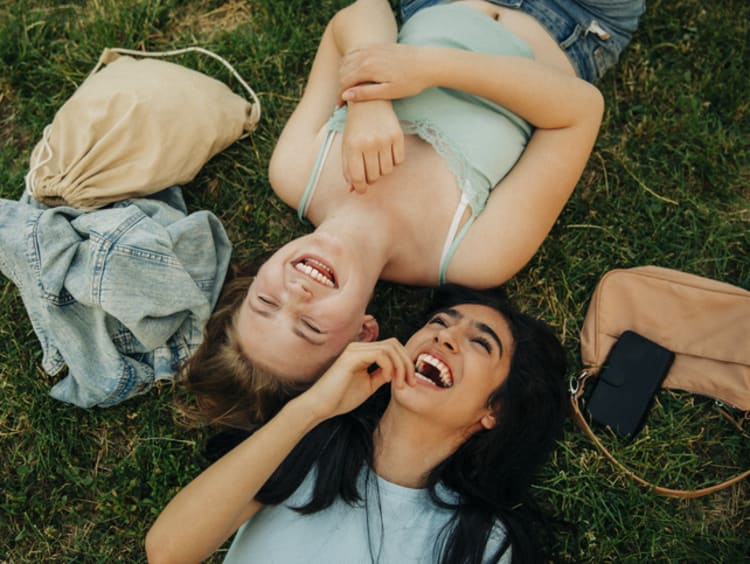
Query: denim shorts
[592,33]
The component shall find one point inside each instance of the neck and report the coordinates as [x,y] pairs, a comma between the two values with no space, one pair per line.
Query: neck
[407,447]
[367,228]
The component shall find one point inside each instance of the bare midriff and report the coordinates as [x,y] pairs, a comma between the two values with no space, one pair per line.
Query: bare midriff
[544,46]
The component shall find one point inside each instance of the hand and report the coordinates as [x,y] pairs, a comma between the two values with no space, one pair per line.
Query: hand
[372,143]
[385,71]
[353,378]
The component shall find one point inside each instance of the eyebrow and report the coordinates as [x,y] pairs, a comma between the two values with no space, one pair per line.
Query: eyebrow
[483,327]
[295,330]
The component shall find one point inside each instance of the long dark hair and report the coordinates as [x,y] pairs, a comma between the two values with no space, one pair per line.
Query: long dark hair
[491,472]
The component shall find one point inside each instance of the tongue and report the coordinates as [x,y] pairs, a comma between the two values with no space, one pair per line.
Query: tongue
[432,373]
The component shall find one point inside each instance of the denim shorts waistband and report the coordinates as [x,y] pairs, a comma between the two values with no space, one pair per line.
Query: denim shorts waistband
[592,33]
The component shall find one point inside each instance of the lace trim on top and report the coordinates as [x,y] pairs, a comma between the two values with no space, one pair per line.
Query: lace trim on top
[474,185]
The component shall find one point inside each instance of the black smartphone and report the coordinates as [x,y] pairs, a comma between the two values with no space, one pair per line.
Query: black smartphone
[625,388]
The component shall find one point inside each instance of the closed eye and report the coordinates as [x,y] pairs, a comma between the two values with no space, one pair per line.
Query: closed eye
[312,327]
[438,320]
[267,301]
[482,342]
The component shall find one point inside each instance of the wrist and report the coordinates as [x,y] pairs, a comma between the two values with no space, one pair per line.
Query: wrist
[430,64]
[367,105]
[302,411]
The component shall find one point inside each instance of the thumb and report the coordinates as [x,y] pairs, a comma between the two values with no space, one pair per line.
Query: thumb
[363,93]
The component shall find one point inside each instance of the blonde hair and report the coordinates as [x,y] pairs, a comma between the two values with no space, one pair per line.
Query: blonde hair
[225,387]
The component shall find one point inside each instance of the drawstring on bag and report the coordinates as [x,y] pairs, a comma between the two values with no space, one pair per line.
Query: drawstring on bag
[47,147]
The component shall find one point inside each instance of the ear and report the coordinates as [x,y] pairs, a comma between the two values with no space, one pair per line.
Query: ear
[488,421]
[369,330]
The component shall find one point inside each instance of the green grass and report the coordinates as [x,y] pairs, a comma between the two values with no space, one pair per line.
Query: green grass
[668,183]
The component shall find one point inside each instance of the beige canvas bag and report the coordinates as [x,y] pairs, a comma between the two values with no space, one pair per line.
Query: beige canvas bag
[706,324]
[136,126]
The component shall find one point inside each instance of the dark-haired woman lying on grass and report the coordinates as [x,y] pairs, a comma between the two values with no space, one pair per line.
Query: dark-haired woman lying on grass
[436,471]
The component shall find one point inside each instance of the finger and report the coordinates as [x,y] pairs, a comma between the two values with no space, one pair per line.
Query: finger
[402,365]
[365,360]
[379,354]
[357,174]
[372,166]
[377,372]
[410,372]
[393,368]
[400,374]
[398,363]
[365,92]
[406,364]
[347,174]
[350,72]
[377,380]
[399,150]
[386,161]
[359,186]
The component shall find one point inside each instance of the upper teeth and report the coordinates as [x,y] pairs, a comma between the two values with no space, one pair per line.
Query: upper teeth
[446,378]
[314,269]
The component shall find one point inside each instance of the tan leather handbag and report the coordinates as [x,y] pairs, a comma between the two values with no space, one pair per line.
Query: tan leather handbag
[135,126]
[706,324]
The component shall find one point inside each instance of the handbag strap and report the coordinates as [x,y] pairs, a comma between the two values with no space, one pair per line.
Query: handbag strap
[577,386]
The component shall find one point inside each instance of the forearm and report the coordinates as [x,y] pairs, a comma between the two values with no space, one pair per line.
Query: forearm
[209,509]
[543,96]
[364,23]
[359,25]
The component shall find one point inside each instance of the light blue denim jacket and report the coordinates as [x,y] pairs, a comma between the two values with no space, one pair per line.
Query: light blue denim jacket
[119,295]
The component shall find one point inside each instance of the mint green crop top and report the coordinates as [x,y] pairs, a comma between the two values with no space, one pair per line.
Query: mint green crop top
[480,140]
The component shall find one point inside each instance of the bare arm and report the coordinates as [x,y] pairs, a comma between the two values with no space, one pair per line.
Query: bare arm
[213,506]
[542,95]
[524,206]
[372,131]
[521,210]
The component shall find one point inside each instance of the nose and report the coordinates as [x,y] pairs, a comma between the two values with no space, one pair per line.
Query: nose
[447,338]
[299,290]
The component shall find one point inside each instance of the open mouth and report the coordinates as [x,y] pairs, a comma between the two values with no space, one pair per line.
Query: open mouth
[317,270]
[434,371]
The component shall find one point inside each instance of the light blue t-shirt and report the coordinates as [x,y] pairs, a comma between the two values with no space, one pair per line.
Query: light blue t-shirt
[408,531]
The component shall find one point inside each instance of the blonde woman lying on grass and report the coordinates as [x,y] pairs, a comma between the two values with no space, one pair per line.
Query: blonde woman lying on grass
[459,144]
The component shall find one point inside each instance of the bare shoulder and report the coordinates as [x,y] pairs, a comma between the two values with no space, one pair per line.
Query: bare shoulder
[292,162]
[489,255]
